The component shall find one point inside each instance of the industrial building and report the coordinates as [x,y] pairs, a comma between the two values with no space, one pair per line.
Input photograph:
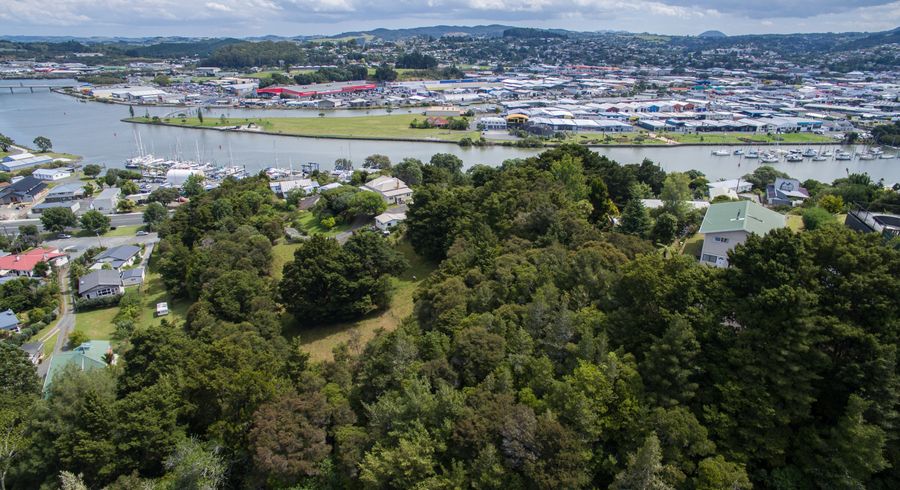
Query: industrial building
[318,89]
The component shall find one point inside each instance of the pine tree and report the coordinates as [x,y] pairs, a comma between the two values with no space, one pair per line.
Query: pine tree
[635,219]
[645,469]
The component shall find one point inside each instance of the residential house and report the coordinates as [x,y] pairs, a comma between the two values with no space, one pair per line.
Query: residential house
[99,284]
[65,192]
[117,257]
[282,187]
[133,277]
[28,189]
[392,189]
[885,224]
[94,354]
[731,187]
[9,321]
[23,264]
[107,200]
[40,208]
[51,174]
[386,221]
[786,192]
[728,224]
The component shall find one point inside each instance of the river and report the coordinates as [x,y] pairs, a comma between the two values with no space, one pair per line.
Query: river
[96,132]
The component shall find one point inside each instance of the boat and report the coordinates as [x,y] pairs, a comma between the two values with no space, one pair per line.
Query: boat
[828,153]
[867,156]
[819,158]
[876,151]
[752,154]
[809,152]
[842,155]
[886,156]
[794,157]
[739,152]
[770,158]
[721,153]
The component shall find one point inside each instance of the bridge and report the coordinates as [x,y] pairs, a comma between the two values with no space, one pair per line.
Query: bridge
[31,85]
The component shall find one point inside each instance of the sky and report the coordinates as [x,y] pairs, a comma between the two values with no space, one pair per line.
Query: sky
[244,18]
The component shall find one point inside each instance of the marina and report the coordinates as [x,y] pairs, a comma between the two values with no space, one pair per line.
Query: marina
[96,132]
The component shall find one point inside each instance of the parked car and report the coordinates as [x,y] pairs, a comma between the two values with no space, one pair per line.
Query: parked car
[63,236]
[142,233]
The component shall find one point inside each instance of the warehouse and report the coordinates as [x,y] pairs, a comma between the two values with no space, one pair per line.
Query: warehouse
[318,89]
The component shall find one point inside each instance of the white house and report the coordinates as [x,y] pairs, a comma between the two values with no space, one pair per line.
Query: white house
[98,284]
[392,189]
[107,200]
[388,220]
[283,187]
[728,224]
[51,174]
[723,186]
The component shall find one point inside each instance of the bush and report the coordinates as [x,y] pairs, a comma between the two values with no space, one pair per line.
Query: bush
[831,203]
[814,218]
[96,303]
[77,338]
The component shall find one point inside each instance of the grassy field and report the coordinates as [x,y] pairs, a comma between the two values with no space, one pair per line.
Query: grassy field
[394,126]
[282,254]
[311,226]
[636,138]
[155,292]
[321,341]
[96,324]
[741,138]
[128,230]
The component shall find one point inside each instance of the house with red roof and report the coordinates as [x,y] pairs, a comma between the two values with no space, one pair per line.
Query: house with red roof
[23,264]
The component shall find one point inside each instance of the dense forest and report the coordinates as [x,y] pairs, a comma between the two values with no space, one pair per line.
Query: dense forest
[548,350]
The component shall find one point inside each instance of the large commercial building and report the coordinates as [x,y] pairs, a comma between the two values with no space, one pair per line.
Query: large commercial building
[318,89]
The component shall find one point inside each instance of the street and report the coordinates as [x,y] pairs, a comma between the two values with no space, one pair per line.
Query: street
[64,325]
[126,219]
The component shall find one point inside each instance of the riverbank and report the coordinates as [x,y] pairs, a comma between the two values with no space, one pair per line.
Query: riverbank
[396,127]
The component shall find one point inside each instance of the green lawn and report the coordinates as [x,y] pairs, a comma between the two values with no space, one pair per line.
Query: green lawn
[96,324]
[321,341]
[742,138]
[49,344]
[634,138]
[311,225]
[128,230]
[155,292]
[282,254]
[393,126]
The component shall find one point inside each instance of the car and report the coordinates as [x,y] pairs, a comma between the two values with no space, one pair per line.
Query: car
[142,233]
[63,236]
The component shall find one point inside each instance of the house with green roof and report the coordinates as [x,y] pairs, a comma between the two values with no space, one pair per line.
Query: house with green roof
[728,224]
[87,356]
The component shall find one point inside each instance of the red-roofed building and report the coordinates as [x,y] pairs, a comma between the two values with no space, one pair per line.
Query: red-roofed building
[23,264]
[318,89]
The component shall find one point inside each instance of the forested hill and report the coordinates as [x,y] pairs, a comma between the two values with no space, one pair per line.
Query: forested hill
[550,349]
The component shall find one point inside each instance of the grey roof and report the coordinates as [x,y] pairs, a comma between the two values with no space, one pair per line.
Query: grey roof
[103,277]
[117,256]
[8,320]
[74,188]
[133,273]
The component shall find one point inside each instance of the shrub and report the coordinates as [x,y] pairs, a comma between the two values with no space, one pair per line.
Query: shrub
[96,303]
[814,218]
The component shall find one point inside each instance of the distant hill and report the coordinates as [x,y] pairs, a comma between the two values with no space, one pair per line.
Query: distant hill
[712,34]
[874,39]
[525,32]
[202,48]
[494,30]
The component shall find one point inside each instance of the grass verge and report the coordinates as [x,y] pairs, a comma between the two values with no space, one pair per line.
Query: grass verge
[394,126]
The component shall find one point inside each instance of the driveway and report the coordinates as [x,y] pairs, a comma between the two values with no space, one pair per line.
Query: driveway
[64,325]
[359,222]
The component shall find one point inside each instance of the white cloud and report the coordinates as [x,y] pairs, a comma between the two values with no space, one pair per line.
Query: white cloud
[252,17]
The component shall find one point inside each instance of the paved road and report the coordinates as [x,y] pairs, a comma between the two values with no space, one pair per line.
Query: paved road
[66,323]
[127,219]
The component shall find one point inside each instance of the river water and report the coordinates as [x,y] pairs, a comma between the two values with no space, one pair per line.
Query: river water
[95,131]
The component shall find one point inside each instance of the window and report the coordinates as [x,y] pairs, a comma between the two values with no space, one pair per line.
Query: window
[709,258]
[721,239]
